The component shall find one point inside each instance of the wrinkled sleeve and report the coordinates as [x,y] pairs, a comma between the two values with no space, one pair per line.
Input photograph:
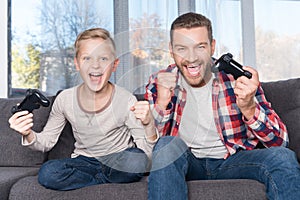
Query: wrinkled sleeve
[47,138]
[266,125]
[161,117]
[137,131]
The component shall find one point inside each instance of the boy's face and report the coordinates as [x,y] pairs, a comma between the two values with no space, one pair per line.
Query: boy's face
[192,51]
[96,62]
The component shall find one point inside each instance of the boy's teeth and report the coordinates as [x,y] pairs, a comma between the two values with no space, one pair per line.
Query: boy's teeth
[95,74]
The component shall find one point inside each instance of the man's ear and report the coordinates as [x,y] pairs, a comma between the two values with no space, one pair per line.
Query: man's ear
[76,64]
[213,47]
[171,49]
[115,64]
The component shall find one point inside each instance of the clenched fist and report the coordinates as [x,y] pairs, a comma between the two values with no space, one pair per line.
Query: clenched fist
[166,83]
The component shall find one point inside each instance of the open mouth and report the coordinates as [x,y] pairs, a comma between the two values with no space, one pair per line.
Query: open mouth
[95,76]
[193,70]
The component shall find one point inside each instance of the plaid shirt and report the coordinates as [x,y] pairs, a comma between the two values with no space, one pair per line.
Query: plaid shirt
[233,129]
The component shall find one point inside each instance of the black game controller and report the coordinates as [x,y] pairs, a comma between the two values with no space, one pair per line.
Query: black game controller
[33,100]
[228,65]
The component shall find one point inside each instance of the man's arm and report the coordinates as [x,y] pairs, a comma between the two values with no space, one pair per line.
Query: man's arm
[160,111]
[258,113]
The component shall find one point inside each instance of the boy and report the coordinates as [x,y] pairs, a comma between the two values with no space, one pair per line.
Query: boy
[114,133]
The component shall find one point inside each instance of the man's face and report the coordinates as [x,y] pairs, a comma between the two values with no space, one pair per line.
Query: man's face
[192,51]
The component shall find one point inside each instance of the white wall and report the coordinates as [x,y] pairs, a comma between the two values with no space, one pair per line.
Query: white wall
[3,49]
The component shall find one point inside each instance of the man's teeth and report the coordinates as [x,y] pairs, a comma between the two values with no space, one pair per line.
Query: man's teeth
[193,70]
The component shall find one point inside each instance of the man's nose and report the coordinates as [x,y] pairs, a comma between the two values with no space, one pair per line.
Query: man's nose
[192,56]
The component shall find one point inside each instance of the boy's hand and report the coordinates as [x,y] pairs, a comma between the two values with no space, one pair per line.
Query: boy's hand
[141,110]
[21,122]
[166,82]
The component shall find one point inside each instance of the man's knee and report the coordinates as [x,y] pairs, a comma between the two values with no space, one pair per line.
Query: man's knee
[168,150]
[167,142]
[284,155]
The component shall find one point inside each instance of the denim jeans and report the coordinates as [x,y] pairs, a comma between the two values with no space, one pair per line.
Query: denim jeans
[73,173]
[173,164]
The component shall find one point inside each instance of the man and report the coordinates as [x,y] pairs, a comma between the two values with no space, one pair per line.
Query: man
[212,123]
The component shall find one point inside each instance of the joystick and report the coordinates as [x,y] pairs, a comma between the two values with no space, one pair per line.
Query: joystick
[228,65]
[33,100]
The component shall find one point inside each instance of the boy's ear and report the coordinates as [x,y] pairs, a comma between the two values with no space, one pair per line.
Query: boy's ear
[115,64]
[76,64]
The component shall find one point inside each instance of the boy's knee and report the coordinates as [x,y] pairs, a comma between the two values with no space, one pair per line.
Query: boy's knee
[47,175]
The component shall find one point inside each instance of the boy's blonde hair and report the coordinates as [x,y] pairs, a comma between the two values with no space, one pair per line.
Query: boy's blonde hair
[94,33]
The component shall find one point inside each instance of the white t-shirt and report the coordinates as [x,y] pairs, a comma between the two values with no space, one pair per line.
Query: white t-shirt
[197,127]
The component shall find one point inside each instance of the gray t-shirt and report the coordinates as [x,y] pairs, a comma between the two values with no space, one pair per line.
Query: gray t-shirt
[197,127]
[110,130]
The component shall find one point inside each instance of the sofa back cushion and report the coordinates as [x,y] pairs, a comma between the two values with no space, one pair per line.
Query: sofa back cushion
[65,145]
[12,152]
[285,98]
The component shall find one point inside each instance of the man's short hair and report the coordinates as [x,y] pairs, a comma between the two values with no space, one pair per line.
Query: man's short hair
[191,20]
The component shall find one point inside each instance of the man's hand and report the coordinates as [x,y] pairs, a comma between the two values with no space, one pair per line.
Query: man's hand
[21,122]
[141,110]
[166,82]
[245,90]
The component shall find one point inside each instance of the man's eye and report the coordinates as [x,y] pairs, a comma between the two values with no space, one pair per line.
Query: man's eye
[104,58]
[180,49]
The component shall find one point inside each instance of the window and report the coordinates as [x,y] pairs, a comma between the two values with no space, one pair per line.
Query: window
[277,39]
[149,24]
[42,42]
[225,16]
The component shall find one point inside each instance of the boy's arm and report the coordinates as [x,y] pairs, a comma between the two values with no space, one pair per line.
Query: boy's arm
[141,110]
[45,140]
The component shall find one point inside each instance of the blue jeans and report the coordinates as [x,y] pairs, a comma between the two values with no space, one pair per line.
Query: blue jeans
[73,173]
[173,164]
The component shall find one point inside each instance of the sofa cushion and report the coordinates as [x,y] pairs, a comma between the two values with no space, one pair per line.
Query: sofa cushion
[24,187]
[285,98]
[65,145]
[227,189]
[10,175]
[13,153]
[205,189]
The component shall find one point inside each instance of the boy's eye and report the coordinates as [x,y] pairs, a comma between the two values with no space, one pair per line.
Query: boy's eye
[103,59]
[86,58]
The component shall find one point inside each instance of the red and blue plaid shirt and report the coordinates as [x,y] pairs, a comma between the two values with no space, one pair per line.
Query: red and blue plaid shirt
[233,129]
